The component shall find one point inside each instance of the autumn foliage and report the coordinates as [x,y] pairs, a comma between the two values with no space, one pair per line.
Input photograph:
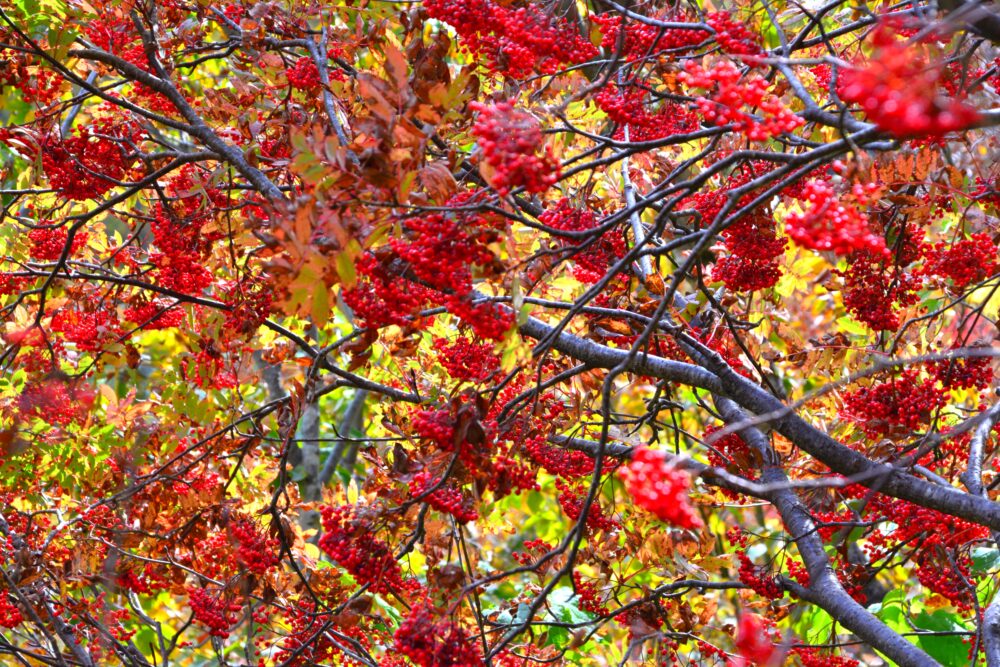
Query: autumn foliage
[499,332]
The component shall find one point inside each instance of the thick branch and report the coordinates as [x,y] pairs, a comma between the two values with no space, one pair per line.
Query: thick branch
[824,588]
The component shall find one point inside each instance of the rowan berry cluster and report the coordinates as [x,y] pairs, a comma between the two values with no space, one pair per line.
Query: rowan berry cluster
[303,75]
[516,41]
[155,314]
[753,642]
[250,300]
[349,540]
[731,93]
[539,547]
[10,615]
[593,255]
[49,243]
[441,248]
[873,292]
[904,404]
[255,551]
[965,261]
[964,372]
[429,640]
[177,231]
[760,579]
[558,461]
[636,40]
[87,164]
[467,360]
[445,498]
[588,596]
[733,453]
[571,499]
[11,284]
[627,107]
[307,642]
[215,611]
[755,252]
[438,250]
[381,299]
[37,85]
[732,35]
[834,223]
[487,320]
[658,486]
[145,580]
[814,657]
[898,90]
[938,543]
[89,331]
[512,145]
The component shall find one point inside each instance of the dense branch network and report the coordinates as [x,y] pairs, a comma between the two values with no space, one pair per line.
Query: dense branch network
[468,332]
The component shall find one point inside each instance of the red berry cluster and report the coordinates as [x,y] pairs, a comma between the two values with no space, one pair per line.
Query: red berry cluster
[513,40]
[658,486]
[303,75]
[948,578]
[145,580]
[439,251]
[91,161]
[592,255]
[156,314]
[539,547]
[10,615]
[964,372]
[834,223]
[177,231]
[755,252]
[571,499]
[512,145]
[350,541]
[559,461]
[467,360]
[938,543]
[636,40]
[588,597]
[733,453]
[11,284]
[733,36]
[441,248]
[898,90]
[731,93]
[381,299]
[49,243]
[90,331]
[486,319]
[896,406]
[37,85]
[965,262]
[215,612]
[814,657]
[429,640]
[627,106]
[875,290]
[255,551]
[760,579]
[797,571]
[445,498]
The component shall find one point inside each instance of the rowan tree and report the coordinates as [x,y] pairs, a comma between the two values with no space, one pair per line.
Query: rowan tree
[499,332]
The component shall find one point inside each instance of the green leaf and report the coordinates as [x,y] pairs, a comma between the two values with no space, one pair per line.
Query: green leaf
[946,649]
[985,560]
